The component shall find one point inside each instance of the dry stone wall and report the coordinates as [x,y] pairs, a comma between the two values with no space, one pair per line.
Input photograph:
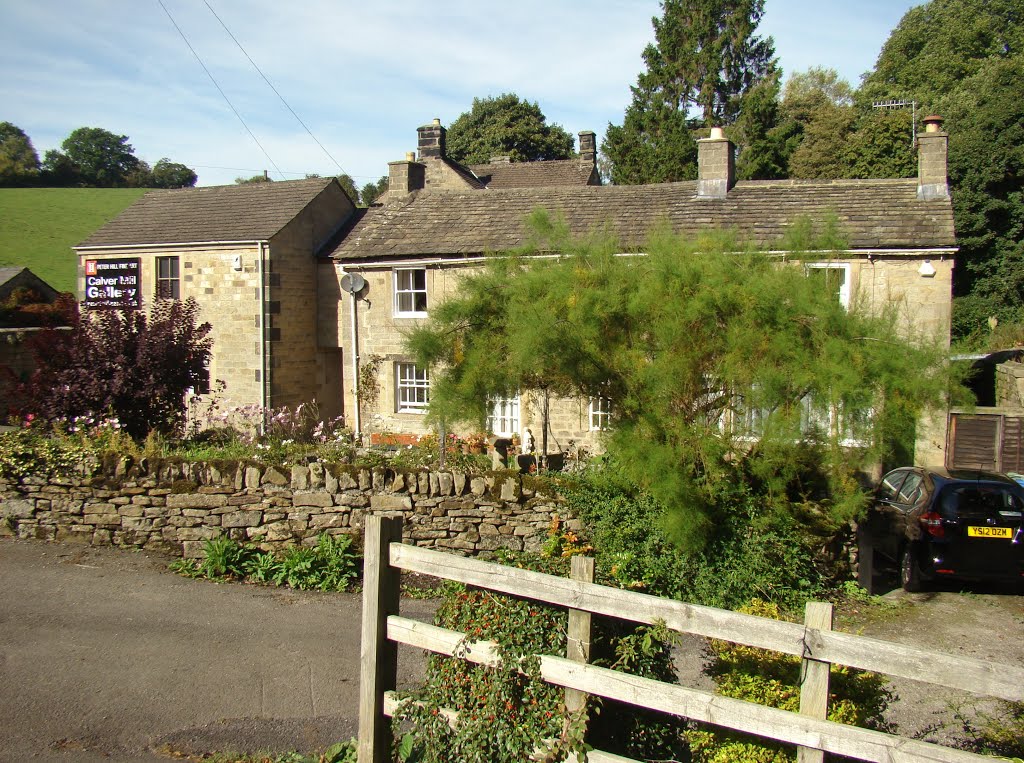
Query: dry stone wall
[174,507]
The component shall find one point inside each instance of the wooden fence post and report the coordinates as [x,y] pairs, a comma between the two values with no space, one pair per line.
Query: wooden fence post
[577,646]
[815,677]
[378,656]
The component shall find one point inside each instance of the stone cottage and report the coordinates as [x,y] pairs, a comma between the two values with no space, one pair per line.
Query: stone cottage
[434,225]
[309,296]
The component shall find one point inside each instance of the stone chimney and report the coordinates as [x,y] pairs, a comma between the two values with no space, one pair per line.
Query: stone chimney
[588,148]
[716,165]
[405,177]
[931,160]
[432,139]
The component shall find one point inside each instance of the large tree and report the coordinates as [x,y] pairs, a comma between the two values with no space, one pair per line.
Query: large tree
[506,126]
[701,346]
[986,171]
[965,60]
[19,162]
[703,62]
[939,44]
[373,191]
[168,174]
[101,158]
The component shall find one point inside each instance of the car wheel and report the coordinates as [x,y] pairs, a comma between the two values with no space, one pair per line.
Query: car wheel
[910,571]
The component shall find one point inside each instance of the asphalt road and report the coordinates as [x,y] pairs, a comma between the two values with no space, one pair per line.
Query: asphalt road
[107,656]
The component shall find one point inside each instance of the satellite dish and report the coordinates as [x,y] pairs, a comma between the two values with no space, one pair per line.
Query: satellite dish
[352,282]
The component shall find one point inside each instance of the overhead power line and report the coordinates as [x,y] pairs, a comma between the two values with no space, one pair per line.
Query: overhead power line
[260,169]
[219,89]
[271,86]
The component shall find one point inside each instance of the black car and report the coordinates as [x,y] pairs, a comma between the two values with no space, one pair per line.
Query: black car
[934,524]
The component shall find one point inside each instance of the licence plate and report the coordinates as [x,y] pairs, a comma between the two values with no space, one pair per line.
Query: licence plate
[990,532]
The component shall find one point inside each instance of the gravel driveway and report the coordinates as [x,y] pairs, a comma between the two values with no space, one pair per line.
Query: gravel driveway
[107,656]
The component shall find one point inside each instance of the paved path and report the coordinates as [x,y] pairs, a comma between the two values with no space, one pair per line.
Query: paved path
[107,656]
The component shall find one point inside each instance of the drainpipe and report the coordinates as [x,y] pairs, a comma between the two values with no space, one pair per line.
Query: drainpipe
[264,366]
[355,365]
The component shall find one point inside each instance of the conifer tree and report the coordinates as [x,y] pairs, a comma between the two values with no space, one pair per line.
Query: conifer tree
[705,59]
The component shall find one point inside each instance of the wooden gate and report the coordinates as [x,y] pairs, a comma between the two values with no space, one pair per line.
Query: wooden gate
[986,439]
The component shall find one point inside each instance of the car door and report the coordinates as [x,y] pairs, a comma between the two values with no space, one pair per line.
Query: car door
[982,526]
[887,522]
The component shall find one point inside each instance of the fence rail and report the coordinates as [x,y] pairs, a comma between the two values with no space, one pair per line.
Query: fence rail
[813,641]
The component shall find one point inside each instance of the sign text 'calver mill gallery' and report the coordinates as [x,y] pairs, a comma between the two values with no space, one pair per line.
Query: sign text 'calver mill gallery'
[113,283]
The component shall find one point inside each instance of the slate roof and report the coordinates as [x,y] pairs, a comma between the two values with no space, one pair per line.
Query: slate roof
[556,172]
[250,212]
[12,278]
[6,274]
[873,214]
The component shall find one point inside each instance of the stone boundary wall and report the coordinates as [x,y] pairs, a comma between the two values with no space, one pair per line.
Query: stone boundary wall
[173,507]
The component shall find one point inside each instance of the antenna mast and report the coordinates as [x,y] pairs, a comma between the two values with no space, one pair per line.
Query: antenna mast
[897,104]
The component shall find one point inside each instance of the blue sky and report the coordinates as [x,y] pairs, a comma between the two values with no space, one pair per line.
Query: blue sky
[361,76]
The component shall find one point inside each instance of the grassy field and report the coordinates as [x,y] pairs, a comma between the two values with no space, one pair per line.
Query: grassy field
[38,227]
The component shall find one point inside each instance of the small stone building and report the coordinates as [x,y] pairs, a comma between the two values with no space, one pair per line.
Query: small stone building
[248,255]
[19,287]
[14,278]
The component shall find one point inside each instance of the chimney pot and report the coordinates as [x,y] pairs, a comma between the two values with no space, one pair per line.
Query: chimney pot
[410,156]
[932,123]
[437,122]
[717,133]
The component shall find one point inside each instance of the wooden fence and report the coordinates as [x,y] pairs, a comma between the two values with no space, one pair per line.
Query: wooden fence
[813,641]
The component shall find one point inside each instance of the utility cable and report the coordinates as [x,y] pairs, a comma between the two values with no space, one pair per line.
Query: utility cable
[222,93]
[271,86]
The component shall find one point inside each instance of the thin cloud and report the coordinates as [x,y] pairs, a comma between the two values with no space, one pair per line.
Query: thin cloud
[362,77]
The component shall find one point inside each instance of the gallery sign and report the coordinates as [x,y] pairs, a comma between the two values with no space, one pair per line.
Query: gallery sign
[114,283]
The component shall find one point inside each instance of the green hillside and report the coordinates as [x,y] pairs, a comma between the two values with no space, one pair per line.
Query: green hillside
[38,226]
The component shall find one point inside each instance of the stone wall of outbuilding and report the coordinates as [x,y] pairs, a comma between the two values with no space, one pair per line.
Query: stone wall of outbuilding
[173,507]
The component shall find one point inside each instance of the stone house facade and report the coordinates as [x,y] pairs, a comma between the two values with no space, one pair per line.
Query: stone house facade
[326,311]
[247,254]
[434,226]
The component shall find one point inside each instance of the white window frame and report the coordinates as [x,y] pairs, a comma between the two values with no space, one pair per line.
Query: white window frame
[412,388]
[407,294]
[599,414]
[503,416]
[844,290]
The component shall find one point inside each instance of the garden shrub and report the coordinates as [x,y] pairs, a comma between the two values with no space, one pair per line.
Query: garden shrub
[59,447]
[137,367]
[856,697]
[753,553]
[506,713]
